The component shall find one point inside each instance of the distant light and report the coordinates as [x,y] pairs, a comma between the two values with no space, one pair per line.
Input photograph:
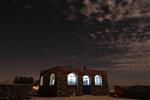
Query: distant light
[36,88]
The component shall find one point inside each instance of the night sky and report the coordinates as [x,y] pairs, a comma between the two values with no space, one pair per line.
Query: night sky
[113,35]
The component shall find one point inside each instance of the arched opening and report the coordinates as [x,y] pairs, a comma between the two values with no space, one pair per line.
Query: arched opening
[72,79]
[41,81]
[86,84]
[52,79]
[86,80]
[98,80]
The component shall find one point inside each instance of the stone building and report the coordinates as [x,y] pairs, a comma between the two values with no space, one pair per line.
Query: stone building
[69,81]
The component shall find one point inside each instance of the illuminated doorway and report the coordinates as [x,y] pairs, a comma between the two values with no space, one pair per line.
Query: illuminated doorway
[86,84]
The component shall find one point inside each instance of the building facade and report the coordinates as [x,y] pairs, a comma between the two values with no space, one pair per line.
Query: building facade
[69,81]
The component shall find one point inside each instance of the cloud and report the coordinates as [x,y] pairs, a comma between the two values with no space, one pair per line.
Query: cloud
[114,10]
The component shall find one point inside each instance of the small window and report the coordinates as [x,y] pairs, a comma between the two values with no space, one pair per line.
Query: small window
[52,79]
[41,81]
[98,80]
[72,79]
[86,80]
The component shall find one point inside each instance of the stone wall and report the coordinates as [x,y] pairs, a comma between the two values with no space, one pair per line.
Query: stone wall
[61,87]
[99,90]
[15,92]
[48,90]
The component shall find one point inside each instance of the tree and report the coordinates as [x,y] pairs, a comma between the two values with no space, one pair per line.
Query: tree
[23,80]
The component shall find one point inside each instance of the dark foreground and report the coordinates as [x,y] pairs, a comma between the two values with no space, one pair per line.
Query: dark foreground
[137,92]
[88,97]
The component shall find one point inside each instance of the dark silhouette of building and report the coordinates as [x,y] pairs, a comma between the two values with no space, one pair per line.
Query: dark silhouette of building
[136,92]
[69,81]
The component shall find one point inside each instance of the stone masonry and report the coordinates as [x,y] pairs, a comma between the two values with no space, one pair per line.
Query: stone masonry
[61,88]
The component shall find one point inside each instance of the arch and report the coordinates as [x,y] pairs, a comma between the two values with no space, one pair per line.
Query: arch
[41,81]
[72,79]
[98,80]
[86,80]
[52,79]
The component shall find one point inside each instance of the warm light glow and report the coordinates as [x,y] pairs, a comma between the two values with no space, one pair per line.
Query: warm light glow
[36,88]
